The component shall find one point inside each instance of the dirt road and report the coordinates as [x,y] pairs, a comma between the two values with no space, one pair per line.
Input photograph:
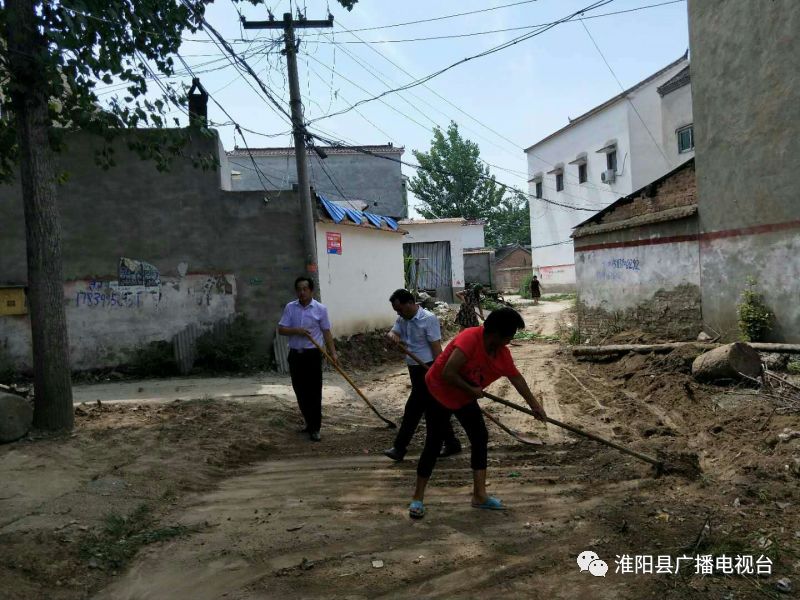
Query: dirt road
[330,520]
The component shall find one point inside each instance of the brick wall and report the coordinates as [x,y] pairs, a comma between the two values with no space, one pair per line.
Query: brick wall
[680,189]
[672,315]
[518,258]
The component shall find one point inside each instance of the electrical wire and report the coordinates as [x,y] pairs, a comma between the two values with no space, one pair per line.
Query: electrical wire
[633,106]
[493,31]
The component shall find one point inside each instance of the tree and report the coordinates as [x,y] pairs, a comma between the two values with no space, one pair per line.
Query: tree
[452,181]
[53,54]
[509,222]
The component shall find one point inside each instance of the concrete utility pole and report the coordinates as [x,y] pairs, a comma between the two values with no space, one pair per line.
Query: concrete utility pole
[298,127]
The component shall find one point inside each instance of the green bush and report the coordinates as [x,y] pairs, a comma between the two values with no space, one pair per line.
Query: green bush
[525,286]
[755,318]
[156,359]
[236,349]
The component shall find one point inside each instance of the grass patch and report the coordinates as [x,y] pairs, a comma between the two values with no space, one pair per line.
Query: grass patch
[533,335]
[794,367]
[558,297]
[122,536]
[491,304]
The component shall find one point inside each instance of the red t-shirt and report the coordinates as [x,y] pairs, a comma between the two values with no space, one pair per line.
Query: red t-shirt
[480,369]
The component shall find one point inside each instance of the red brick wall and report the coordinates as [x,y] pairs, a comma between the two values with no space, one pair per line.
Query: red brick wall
[678,190]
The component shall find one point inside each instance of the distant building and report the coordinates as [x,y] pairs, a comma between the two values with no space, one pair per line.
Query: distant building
[608,152]
[348,176]
[436,250]
[512,265]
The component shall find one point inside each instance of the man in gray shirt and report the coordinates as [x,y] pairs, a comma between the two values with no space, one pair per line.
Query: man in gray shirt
[419,330]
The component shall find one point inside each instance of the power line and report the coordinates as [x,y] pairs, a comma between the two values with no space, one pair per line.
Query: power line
[443,17]
[621,87]
[363,150]
[487,52]
[493,31]
[479,122]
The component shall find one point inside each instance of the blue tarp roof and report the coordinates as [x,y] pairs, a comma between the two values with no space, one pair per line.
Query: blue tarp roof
[339,214]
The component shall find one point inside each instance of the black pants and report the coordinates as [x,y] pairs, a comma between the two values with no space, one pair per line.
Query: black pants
[306,370]
[437,418]
[416,405]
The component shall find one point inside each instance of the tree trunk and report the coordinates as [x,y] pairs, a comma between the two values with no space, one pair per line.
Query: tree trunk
[727,362]
[52,385]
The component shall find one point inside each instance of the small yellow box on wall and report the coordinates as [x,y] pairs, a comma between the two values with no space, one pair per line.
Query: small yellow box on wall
[12,301]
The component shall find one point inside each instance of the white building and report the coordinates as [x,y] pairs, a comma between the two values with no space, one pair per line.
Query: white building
[439,246]
[606,153]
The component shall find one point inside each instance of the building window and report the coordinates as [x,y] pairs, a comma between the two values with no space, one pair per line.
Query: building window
[686,139]
[560,181]
[582,173]
[611,161]
[539,189]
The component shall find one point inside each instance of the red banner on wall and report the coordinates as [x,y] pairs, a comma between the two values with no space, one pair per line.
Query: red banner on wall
[334,242]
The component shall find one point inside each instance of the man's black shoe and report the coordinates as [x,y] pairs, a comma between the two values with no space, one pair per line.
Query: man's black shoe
[394,454]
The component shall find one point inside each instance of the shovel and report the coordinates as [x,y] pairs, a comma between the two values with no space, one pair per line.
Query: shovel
[389,423]
[517,436]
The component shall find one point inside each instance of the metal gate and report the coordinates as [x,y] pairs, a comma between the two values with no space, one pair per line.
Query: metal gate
[430,267]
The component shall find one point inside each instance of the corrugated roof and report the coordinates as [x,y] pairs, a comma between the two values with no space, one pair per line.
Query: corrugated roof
[289,151]
[339,214]
[611,101]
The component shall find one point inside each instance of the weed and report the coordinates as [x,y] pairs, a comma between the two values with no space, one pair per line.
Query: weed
[234,349]
[491,304]
[123,536]
[156,359]
[793,367]
[533,335]
[558,297]
[525,287]
[755,318]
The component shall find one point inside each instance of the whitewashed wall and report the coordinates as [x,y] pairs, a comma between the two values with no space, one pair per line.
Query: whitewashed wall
[615,279]
[472,236]
[441,232]
[106,321]
[356,285]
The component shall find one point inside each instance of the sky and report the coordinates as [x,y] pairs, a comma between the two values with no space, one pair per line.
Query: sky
[504,102]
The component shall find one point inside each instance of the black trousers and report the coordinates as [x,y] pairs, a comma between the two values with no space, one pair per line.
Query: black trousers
[416,405]
[437,418]
[306,370]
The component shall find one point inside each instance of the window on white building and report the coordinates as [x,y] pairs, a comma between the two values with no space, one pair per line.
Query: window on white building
[686,139]
[582,173]
[539,189]
[560,181]
[611,160]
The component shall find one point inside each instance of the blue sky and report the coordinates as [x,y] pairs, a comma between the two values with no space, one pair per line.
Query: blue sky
[522,93]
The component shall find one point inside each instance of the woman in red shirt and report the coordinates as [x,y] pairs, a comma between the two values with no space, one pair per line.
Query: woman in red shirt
[476,357]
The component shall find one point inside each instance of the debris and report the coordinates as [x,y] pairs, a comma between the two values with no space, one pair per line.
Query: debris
[514,474]
[296,527]
[306,564]
[737,503]
[774,361]
[784,586]
[16,417]
[788,435]
[730,362]
[94,563]
[703,337]
[377,564]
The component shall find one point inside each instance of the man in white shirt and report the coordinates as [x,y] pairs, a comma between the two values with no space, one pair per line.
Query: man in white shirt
[419,331]
[302,317]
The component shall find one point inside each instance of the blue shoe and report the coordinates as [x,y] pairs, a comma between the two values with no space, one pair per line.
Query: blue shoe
[490,504]
[416,510]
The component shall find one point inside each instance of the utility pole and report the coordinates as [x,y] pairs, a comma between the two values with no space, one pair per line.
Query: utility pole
[298,127]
